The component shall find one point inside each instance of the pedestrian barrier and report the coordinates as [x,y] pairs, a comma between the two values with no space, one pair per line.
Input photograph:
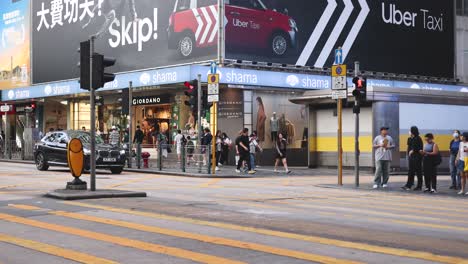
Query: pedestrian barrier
[166,157]
[17,150]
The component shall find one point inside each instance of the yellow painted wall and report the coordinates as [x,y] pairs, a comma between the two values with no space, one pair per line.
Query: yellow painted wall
[330,144]
[443,141]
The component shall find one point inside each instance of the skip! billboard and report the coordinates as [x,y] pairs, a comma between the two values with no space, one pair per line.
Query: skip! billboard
[140,34]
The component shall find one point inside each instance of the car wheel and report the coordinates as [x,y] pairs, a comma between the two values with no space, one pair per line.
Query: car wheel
[186,45]
[279,44]
[117,170]
[41,162]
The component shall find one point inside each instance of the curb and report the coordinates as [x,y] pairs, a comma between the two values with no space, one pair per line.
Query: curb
[99,194]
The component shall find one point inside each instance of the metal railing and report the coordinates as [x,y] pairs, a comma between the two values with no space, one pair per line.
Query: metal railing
[167,157]
[17,150]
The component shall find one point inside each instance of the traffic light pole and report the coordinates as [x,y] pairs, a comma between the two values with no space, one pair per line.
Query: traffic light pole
[340,142]
[356,131]
[199,106]
[130,125]
[92,99]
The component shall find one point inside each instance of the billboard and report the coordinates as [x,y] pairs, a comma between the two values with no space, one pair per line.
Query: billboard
[15,44]
[140,34]
[396,36]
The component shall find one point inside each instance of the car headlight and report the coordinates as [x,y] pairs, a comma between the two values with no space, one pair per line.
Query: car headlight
[292,24]
[122,152]
[87,151]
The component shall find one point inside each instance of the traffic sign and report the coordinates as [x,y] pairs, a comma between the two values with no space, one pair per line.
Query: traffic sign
[338,56]
[5,108]
[339,70]
[213,88]
[213,67]
[213,78]
[339,94]
[213,98]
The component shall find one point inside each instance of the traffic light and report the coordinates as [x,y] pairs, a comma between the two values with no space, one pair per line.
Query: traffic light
[100,77]
[84,64]
[192,93]
[125,101]
[360,88]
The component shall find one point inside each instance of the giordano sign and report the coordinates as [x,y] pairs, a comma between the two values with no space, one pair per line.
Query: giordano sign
[151,100]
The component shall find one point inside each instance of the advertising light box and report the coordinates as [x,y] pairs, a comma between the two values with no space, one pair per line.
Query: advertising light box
[396,36]
[140,34]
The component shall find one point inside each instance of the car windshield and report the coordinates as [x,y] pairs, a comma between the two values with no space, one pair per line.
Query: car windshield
[85,137]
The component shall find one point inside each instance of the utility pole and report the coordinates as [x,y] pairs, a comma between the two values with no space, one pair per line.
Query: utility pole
[199,106]
[340,142]
[130,125]
[356,130]
[92,99]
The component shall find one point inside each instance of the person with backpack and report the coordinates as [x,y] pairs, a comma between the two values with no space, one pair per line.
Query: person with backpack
[190,150]
[253,146]
[431,159]
[415,145]
[454,173]
[242,148]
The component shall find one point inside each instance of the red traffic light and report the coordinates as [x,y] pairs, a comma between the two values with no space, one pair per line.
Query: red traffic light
[188,85]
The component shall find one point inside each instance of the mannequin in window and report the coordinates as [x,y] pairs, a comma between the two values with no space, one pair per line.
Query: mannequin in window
[274,127]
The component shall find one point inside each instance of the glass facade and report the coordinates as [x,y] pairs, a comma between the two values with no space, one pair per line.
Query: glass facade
[462,7]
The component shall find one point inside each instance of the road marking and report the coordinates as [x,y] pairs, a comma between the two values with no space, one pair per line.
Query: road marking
[132,181]
[55,251]
[207,239]
[314,239]
[155,248]
[378,213]
[25,207]
[211,183]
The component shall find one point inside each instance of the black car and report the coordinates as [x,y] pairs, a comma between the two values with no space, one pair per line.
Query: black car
[52,151]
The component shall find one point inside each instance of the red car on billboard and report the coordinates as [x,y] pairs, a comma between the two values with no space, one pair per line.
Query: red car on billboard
[249,25]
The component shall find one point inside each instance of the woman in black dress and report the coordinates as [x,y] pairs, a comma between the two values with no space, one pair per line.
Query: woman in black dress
[281,152]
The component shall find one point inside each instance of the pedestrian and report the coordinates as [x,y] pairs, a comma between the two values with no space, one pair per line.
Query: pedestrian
[163,145]
[226,145]
[206,143]
[383,145]
[83,129]
[126,137]
[219,149]
[138,140]
[415,145]
[242,147]
[431,159]
[280,145]
[454,147]
[253,146]
[178,141]
[462,162]
[114,137]
[190,150]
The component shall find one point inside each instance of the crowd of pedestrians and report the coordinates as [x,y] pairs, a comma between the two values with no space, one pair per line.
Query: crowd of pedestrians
[424,157]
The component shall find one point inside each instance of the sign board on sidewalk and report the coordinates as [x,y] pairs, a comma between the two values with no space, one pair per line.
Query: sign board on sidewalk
[339,77]
[213,88]
[5,108]
[339,94]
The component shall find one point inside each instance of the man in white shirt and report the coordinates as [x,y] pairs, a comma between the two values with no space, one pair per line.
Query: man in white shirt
[178,144]
[383,145]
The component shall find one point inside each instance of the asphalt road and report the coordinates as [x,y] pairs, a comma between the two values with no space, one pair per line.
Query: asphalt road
[280,219]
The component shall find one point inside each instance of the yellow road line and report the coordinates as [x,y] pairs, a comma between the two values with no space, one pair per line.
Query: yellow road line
[378,213]
[313,239]
[207,239]
[55,251]
[210,184]
[414,209]
[132,181]
[137,244]
[25,207]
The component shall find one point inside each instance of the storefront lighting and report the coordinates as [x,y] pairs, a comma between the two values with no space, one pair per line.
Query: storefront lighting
[64,102]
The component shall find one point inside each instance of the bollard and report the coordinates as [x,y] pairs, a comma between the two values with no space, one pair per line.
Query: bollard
[160,157]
